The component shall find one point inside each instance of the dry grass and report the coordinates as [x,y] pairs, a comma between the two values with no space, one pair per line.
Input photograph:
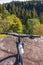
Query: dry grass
[2,35]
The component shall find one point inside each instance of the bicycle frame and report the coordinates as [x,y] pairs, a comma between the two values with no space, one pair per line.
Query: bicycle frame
[20,45]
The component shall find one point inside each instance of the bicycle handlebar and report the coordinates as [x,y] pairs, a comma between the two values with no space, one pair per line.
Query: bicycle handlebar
[20,35]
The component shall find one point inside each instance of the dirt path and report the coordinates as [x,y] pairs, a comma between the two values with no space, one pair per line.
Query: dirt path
[33,51]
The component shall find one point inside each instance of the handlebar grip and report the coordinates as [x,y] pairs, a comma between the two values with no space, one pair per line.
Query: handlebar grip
[32,37]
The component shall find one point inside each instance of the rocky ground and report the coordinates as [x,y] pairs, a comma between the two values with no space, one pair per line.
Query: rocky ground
[33,51]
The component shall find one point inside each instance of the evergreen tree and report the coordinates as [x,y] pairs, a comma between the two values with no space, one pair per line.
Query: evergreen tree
[34,13]
[41,17]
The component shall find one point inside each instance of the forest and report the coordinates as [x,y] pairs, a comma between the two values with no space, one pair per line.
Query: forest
[22,17]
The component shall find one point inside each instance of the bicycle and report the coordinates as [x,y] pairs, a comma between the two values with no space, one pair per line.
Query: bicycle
[20,45]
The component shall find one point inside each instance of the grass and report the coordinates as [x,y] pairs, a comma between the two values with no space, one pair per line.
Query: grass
[2,35]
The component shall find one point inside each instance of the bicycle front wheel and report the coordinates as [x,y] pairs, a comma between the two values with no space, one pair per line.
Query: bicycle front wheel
[20,60]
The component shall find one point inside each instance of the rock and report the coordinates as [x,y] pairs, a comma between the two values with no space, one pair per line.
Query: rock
[1,45]
[35,39]
[9,62]
[33,51]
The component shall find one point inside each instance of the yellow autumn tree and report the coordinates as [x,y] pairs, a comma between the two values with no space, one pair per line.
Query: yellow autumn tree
[41,30]
[11,24]
[38,29]
[0,16]
[15,24]
[32,26]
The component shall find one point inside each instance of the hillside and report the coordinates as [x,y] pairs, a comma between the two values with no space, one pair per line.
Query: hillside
[22,17]
[24,10]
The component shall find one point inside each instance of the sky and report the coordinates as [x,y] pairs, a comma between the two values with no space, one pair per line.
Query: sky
[5,1]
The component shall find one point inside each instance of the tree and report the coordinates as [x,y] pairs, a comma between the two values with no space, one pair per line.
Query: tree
[0,16]
[23,10]
[31,25]
[12,8]
[15,24]
[4,25]
[11,24]
[41,17]
[6,12]
[41,30]
[38,29]
[0,8]
[17,9]
[34,13]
